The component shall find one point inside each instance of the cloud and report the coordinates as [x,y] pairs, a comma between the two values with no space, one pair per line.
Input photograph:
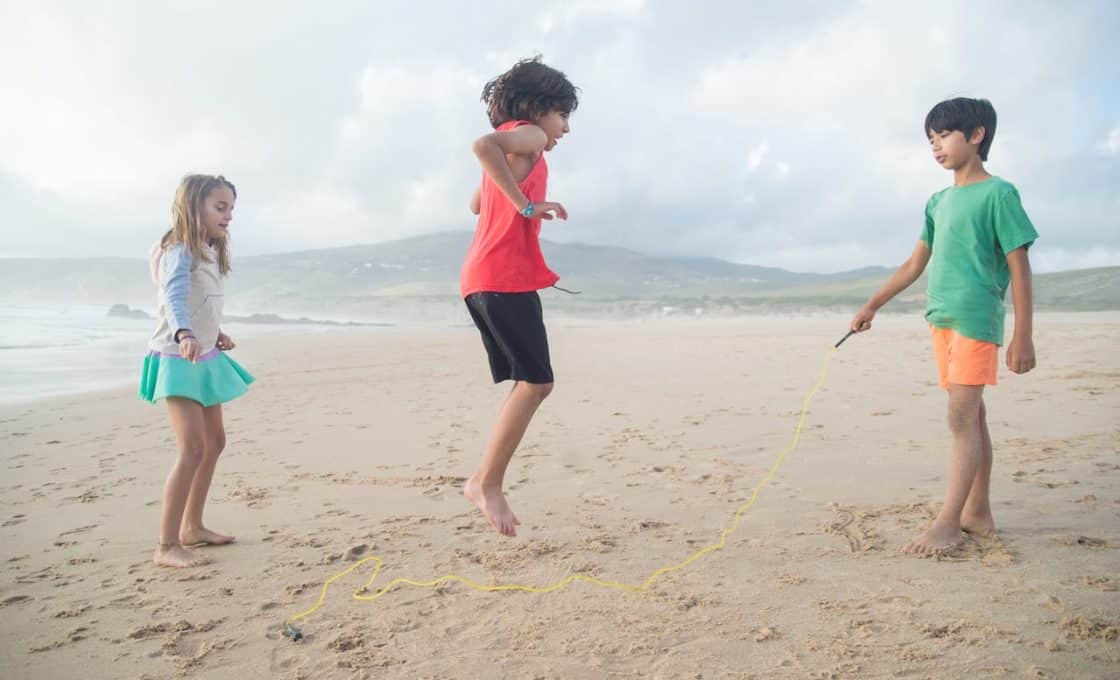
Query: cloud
[1111,144]
[756,155]
[768,134]
[572,12]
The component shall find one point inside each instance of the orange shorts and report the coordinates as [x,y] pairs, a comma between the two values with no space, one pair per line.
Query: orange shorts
[962,360]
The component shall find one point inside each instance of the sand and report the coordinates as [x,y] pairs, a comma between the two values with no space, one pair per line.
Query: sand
[355,442]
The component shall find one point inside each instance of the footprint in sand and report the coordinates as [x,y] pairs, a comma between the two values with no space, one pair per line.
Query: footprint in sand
[73,636]
[435,493]
[70,613]
[1107,583]
[852,525]
[1087,628]
[1086,541]
[356,552]
[15,599]
[79,530]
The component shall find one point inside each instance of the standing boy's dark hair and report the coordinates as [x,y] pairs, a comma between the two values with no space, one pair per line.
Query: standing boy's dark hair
[966,115]
[528,91]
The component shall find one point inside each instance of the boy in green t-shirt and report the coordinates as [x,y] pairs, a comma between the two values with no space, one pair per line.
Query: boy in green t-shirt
[975,238]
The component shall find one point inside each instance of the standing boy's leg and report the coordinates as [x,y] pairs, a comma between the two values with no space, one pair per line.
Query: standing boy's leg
[484,488]
[976,518]
[964,462]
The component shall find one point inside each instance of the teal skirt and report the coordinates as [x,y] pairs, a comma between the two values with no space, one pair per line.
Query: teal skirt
[213,379]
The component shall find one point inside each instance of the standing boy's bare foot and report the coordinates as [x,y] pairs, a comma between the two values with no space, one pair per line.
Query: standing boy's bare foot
[175,555]
[203,536]
[938,539]
[979,525]
[493,505]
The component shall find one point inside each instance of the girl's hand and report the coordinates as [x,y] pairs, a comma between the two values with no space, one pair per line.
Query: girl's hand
[544,210]
[225,343]
[862,320]
[190,348]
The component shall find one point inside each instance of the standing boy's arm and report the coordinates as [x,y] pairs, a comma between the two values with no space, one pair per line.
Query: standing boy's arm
[492,149]
[1020,352]
[905,275]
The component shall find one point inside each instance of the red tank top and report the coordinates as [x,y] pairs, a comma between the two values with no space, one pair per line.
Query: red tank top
[505,255]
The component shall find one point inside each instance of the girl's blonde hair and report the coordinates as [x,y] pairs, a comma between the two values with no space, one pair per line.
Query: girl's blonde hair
[186,218]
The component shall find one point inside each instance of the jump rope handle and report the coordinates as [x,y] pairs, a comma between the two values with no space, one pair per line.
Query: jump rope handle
[850,334]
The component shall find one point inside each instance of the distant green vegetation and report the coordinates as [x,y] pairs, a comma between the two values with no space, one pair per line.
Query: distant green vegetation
[412,277]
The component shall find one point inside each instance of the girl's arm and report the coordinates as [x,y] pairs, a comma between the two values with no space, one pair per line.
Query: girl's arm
[905,275]
[175,277]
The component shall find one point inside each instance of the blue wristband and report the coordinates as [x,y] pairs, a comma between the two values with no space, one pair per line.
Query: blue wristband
[527,211]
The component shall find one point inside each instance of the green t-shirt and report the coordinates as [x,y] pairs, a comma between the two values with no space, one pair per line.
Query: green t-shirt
[970,229]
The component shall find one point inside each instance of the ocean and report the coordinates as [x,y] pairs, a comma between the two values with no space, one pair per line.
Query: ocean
[67,349]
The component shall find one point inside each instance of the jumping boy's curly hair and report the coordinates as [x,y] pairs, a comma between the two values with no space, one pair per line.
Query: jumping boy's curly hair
[528,91]
[966,115]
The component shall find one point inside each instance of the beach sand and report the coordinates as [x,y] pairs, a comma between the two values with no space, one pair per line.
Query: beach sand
[356,443]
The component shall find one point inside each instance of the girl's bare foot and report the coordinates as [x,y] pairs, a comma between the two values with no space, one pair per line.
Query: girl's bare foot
[203,536]
[492,503]
[175,555]
[938,539]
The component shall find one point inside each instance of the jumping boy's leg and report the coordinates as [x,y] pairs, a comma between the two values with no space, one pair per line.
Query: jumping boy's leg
[964,462]
[976,518]
[192,530]
[484,488]
[190,427]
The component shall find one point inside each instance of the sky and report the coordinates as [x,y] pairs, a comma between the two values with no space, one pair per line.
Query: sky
[783,134]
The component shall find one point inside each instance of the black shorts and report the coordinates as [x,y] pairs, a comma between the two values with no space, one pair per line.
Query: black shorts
[512,328]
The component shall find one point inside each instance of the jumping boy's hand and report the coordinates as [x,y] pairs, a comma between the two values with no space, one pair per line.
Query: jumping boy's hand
[1020,355]
[862,320]
[189,348]
[544,209]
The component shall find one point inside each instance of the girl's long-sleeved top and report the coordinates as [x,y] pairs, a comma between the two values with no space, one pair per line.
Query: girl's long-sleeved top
[189,296]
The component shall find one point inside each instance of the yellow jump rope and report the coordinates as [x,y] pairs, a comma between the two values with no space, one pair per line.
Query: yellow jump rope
[363,594]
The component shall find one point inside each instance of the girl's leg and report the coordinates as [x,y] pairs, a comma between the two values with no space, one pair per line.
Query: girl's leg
[193,530]
[190,432]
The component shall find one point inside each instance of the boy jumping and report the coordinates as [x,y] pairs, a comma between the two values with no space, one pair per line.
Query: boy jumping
[528,107]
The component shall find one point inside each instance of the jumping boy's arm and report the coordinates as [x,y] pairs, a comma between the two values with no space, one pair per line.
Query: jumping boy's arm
[492,149]
[1020,352]
[476,201]
[905,275]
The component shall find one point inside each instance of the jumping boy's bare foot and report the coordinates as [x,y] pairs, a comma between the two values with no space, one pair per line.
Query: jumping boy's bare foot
[203,536]
[175,555]
[979,525]
[493,505]
[938,539]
